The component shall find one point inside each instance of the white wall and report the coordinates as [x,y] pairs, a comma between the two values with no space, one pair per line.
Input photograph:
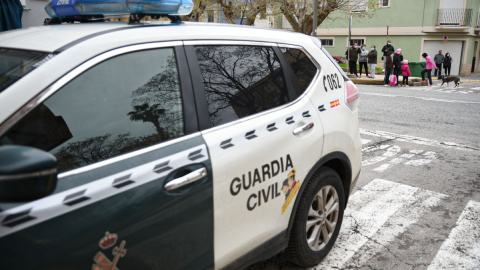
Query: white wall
[34,13]
[454,47]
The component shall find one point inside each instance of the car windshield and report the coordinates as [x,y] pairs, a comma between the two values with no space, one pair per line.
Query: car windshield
[14,64]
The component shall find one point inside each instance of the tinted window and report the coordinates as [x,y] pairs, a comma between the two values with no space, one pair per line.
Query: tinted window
[14,64]
[120,105]
[240,81]
[302,66]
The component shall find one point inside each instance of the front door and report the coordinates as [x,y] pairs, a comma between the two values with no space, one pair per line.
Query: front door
[123,148]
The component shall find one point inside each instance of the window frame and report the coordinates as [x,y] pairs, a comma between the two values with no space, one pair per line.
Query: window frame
[357,38]
[315,63]
[199,90]
[380,4]
[327,38]
[190,118]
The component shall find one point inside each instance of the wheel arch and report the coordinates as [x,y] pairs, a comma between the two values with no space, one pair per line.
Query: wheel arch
[337,161]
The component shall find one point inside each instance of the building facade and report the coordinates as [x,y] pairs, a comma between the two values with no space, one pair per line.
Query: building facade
[416,27]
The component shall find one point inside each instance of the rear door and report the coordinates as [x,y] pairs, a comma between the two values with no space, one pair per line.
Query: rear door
[262,142]
[126,137]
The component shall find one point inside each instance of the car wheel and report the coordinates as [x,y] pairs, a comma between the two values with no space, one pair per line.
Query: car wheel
[318,219]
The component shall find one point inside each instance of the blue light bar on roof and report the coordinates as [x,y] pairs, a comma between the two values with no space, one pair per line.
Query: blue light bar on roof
[69,8]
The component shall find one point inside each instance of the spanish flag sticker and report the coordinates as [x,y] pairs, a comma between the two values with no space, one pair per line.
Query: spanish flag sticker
[334,103]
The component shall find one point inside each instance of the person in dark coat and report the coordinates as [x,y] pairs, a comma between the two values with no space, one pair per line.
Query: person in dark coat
[447,64]
[388,68]
[438,59]
[397,63]
[386,48]
[372,61]
[352,56]
[362,60]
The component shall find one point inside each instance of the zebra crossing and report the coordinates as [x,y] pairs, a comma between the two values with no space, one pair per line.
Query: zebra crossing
[382,211]
[446,89]
[461,250]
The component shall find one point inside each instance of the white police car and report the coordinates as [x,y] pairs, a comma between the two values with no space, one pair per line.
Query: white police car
[169,146]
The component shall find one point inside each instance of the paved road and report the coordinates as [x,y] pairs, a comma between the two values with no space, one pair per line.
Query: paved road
[417,203]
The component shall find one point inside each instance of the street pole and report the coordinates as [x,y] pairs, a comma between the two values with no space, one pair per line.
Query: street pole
[349,40]
[315,15]
[387,29]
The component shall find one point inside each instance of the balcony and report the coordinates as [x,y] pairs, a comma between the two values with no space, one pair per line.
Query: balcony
[454,18]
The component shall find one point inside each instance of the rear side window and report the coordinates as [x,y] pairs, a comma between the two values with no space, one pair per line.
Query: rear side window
[304,69]
[121,105]
[240,81]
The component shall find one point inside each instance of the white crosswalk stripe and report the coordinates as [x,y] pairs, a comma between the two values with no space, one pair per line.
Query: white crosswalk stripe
[444,89]
[461,250]
[375,216]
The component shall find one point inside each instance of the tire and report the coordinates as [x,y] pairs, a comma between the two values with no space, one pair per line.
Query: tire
[303,248]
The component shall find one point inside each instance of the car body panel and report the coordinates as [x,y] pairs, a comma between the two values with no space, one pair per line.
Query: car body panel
[66,229]
[260,197]
[339,121]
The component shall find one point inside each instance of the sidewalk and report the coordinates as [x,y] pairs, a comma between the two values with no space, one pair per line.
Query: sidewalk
[379,79]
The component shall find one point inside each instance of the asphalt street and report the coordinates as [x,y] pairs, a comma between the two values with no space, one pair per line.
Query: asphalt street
[417,202]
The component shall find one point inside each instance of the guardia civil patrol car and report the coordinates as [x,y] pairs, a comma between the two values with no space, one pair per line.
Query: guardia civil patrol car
[169,145]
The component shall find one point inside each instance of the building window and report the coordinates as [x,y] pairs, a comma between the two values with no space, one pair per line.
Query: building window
[359,42]
[211,16]
[384,3]
[327,42]
[358,6]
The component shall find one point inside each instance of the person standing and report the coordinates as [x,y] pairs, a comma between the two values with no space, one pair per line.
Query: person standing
[447,64]
[352,55]
[372,61]
[405,72]
[386,48]
[428,68]
[438,59]
[388,68]
[397,63]
[362,60]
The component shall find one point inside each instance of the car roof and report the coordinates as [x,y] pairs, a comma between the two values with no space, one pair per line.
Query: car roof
[52,38]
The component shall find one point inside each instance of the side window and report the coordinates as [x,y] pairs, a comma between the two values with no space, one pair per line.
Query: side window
[123,104]
[240,81]
[304,69]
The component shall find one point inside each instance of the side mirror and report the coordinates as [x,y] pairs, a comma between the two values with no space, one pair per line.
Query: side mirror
[26,173]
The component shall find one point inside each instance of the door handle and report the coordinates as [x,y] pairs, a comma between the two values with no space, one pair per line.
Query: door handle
[303,128]
[186,179]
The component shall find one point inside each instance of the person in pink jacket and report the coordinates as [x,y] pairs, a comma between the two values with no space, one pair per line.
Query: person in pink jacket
[428,68]
[405,72]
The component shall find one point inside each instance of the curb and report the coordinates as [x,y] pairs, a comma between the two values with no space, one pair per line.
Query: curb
[368,81]
[378,81]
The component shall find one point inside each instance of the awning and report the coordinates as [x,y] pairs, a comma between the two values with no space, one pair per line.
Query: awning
[10,14]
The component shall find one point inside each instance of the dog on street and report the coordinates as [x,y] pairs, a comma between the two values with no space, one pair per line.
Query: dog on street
[446,79]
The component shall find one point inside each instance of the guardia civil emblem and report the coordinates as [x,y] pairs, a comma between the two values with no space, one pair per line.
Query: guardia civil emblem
[102,262]
[290,188]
